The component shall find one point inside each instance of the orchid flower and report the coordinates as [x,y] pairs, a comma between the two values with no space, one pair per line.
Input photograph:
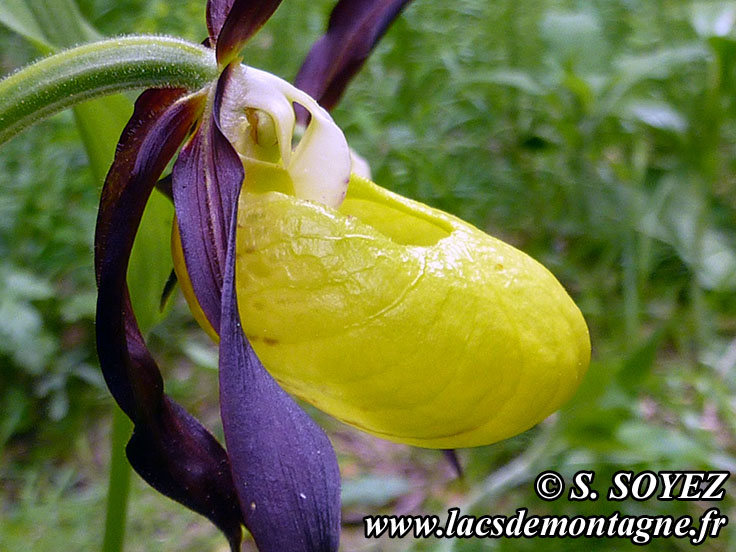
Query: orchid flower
[279,476]
[392,316]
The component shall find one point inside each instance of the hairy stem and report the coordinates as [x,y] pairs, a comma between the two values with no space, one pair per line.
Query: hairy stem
[73,76]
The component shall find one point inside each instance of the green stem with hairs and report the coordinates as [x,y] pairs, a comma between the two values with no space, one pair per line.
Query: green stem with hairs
[105,67]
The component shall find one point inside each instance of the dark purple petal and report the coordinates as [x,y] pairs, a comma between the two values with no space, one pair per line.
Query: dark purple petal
[206,179]
[217,11]
[169,448]
[232,22]
[451,457]
[182,460]
[354,29]
[119,206]
[285,470]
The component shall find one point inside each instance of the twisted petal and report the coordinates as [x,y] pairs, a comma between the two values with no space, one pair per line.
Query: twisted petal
[284,467]
[354,29]
[169,448]
[232,22]
[285,470]
[206,178]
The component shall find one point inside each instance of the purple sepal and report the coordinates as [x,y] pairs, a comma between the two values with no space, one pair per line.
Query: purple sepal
[232,22]
[354,29]
[206,179]
[169,448]
[285,470]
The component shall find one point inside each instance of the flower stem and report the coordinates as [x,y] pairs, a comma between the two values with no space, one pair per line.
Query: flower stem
[119,485]
[105,67]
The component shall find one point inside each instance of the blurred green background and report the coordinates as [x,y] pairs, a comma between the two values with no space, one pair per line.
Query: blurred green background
[599,136]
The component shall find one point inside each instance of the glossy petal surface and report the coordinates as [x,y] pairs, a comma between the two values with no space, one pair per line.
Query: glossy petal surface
[405,321]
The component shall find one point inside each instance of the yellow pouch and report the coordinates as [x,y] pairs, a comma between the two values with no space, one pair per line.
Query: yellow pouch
[400,319]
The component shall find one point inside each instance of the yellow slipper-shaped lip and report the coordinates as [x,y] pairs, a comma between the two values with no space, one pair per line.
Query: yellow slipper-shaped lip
[400,319]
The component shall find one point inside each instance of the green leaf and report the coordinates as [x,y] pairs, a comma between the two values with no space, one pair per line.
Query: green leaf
[510,77]
[663,447]
[656,114]
[637,366]
[150,262]
[23,336]
[676,218]
[661,64]
[100,122]
[17,16]
[15,407]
